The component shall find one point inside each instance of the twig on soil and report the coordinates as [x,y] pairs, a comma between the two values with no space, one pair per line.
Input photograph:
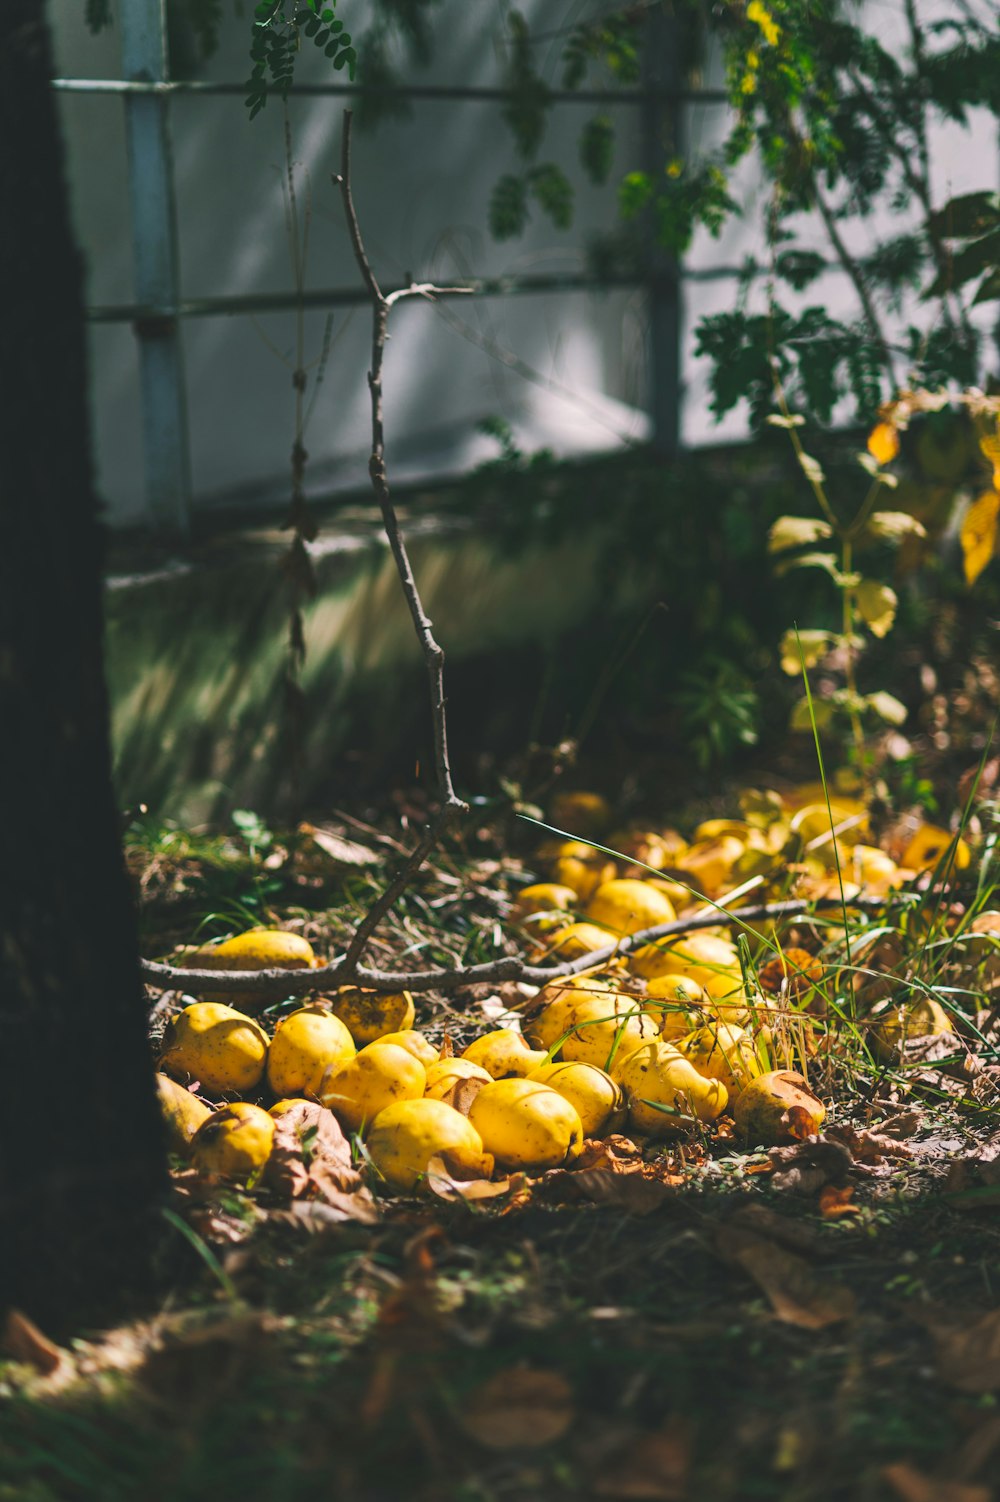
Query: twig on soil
[277,983]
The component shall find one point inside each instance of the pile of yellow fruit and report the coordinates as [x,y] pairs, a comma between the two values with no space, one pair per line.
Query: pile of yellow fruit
[665,1035]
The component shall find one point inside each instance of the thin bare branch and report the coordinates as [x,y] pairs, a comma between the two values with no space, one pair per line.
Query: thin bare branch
[279,983]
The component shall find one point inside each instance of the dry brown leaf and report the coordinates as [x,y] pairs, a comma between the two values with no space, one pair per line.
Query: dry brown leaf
[519,1408]
[342,851]
[969,1357]
[771,1226]
[311,1160]
[911,1485]
[462,1094]
[653,1468]
[23,1341]
[797,1295]
[835,1203]
[445,1179]
[636,1193]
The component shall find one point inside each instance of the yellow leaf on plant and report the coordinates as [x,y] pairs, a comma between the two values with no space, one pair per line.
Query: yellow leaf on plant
[990,448]
[876,605]
[768,26]
[883,442]
[979,534]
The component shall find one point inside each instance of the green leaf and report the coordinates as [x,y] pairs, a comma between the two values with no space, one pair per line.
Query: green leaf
[799,267]
[825,561]
[553,191]
[508,207]
[801,719]
[597,148]
[634,193]
[969,214]
[795,532]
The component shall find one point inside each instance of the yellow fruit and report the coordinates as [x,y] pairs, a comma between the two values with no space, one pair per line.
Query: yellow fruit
[560,997]
[404,1137]
[259,949]
[656,1076]
[308,1045]
[725,1053]
[698,955]
[930,845]
[443,1076]
[601,1026]
[380,1075]
[625,907]
[675,1003]
[578,939]
[526,1125]
[712,861]
[281,1106]
[726,994]
[584,813]
[778,1107]
[680,894]
[502,1053]
[539,907]
[183,1113]
[648,847]
[812,824]
[598,1101]
[415,1043]
[234,1142]
[368,1015]
[716,829]
[873,869]
[916,1019]
[221,1048]
[581,868]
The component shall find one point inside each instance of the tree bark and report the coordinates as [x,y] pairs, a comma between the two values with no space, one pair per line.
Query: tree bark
[82,1163]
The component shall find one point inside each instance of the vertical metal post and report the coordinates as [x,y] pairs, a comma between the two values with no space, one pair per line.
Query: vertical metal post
[154,250]
[662,128]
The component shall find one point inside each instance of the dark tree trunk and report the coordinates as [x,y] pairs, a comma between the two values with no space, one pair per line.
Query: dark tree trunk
[82,1165]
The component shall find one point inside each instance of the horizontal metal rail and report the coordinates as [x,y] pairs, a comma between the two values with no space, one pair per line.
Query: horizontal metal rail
[387,91]
[346,297]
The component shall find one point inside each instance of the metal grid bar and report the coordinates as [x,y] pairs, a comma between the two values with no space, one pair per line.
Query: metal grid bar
[410,91]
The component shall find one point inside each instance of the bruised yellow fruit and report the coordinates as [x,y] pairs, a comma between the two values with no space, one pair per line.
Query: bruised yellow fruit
[415,1043]
[560,997]
[578,939]
[289,1104]
[216,1045]
[581,868]
[597,1099]
[380,1075]
[502,1053]
[682,989]
[778,1107]
[699,955]
[443,1076]
[405,1136]
[526,1125]
[368,1015]
[931,845]
[661,1085]
[540,907]
[601,1027]
[234,1142]
[308,1045]
[895,1024]
[723,1052]
[712,861]
[626,906]
[183,1113]
[258,949]
[583,812]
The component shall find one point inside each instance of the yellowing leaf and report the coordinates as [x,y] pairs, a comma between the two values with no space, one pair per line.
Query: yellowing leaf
[814,646]
[990,448]
[800,718]
[887,707]
[883,442]
[795,532]
[979,534]
[876,605]
[770,30]
[893,526]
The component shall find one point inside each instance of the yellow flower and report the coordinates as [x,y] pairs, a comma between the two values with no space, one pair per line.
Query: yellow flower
[883,443]
[769,28]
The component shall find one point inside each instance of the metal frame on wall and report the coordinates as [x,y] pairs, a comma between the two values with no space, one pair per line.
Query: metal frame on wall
[159,308]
